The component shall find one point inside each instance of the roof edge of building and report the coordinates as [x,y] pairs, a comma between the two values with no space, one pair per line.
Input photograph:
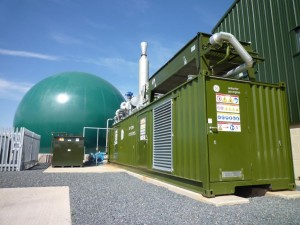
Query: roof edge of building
[225,14]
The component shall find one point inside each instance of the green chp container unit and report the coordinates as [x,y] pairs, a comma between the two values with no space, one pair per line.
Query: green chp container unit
[205,129]
[67,151]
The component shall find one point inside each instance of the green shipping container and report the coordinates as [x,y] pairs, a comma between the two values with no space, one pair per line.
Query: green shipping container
[209,134]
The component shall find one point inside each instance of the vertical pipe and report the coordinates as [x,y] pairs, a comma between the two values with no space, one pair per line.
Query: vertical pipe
[143,73]
[106,145]
[83,139]
[97,139]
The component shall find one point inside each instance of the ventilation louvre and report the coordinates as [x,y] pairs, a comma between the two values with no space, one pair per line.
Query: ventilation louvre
[162,137]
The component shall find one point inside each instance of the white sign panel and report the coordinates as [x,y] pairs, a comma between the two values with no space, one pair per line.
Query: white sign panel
[228,112]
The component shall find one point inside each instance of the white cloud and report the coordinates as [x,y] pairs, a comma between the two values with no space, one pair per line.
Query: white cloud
[119,66]
[97,25]
[66,39]
[28,54]
[12,90]
[158,54]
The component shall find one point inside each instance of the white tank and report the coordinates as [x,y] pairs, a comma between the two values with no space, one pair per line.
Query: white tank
[123,105]
[134,101]
[128,106]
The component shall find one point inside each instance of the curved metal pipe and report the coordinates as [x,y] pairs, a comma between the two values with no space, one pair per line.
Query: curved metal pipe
[217,40]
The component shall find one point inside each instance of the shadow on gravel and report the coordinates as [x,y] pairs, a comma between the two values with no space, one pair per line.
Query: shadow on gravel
[40,166]
[43,166]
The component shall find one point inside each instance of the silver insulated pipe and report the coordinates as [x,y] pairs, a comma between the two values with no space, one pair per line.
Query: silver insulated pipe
[217,40]
[143,74]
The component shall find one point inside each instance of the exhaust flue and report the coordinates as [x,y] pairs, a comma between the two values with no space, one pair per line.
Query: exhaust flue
[143,74]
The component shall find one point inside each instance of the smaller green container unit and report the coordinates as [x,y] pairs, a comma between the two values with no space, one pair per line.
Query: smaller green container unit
[67,151]
[205,132]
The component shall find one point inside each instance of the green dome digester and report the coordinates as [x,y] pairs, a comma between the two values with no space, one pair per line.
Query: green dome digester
[67,102]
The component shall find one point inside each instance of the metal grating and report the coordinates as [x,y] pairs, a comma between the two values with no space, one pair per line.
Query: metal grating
[162,137]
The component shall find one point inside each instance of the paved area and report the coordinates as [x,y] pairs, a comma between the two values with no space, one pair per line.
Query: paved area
[285,194]
[35,205]
[103,168]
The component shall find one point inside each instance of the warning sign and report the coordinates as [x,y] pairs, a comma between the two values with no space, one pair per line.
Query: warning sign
[116,137]
[229,127]
[228,117]
[143,129]
[231,99]
[228,112]
[221,107]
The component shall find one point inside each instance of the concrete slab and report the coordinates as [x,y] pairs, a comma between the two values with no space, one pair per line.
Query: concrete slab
[217,201]
[227,200]
[285,194]
[38,205]
[103,168]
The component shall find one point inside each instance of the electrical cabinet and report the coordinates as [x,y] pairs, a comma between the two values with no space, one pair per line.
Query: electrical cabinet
[67,151]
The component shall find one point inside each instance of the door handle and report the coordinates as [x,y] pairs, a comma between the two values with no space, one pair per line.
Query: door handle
[213,129]
[146,139]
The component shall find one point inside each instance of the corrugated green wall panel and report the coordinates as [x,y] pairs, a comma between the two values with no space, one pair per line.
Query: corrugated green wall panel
[272,159]
[124,149]
[187,132]
[269,26]
[293,10]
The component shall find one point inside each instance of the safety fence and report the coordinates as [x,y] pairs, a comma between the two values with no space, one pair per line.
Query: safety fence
[19,149]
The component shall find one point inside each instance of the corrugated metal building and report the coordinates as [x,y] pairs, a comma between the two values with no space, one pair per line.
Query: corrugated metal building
[273,28]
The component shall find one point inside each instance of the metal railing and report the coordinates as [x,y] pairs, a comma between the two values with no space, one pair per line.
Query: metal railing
[19,149]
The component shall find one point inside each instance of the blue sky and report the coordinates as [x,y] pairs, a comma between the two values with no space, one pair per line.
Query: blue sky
[40,38]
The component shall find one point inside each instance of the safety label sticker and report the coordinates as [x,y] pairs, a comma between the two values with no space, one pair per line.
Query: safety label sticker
[228,117]
[231,99]
[116,137]
[228,112]
[221,107]
[229,127]
[122,134]
[143,129]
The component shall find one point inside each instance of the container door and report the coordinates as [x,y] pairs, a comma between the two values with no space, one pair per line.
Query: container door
[142,140]
[228,133]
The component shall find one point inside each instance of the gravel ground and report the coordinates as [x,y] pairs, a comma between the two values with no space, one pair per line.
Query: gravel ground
[118,198]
